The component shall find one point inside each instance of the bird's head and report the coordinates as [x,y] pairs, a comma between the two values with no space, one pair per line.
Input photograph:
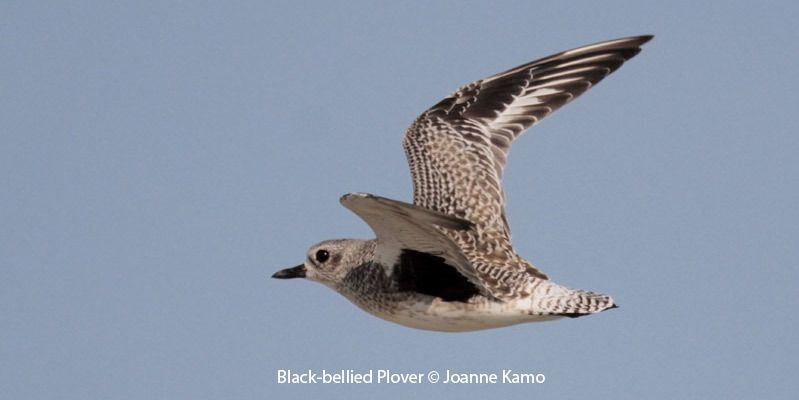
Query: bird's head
[329,262]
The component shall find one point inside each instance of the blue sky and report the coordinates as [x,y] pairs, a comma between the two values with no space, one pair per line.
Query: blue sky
[160,160]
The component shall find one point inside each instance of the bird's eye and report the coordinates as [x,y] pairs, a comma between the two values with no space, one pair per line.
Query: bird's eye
[322,256]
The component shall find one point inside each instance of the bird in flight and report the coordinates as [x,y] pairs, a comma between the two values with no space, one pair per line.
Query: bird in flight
[446,262]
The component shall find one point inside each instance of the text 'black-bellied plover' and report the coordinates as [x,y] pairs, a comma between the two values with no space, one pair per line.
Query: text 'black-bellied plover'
[446,262]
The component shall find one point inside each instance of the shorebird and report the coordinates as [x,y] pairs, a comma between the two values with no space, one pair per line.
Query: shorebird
[446,262]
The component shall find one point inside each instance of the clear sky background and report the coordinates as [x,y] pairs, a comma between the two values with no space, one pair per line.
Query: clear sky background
[160,160]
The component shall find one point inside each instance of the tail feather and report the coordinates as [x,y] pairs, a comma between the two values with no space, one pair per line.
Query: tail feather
[578,315]
[573,303]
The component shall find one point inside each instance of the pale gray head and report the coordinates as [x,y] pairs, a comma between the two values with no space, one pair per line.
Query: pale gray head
[329,262]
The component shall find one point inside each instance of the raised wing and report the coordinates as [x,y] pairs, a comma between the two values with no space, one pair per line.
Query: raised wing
[458,148]
[400,227]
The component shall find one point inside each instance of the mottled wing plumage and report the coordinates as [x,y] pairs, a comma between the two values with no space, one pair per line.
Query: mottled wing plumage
[400,226]
[458,148]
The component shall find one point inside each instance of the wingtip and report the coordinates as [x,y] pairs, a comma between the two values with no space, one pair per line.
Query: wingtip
[646,38]
[631,41]
[638,39]
[352,195]
[351,201]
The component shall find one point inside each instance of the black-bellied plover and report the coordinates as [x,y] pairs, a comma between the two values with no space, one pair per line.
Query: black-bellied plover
[446,262]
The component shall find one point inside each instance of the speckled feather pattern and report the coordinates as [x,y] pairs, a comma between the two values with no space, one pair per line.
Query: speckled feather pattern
[369,287]
[457,226]
[458,148]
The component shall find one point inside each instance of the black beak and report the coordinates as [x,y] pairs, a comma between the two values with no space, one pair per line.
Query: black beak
[288,273]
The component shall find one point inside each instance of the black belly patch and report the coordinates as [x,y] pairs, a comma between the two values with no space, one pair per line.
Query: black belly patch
[430,275]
